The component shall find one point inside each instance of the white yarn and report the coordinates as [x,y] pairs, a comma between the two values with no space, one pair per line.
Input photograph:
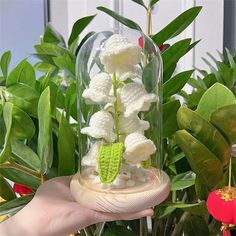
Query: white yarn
[99,89]
[138,148]
[119,54]
[132,124]
[101,125]
[134,98]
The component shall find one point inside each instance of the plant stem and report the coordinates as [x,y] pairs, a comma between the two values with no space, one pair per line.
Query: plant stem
[178,227]
[21,168]
[230,172]
[149,21]
[116,112]
[99,228]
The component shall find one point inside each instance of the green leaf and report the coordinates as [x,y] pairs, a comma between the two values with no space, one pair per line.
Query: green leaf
[214,98]
[141,3]
[205,132]
[153,2]
[201,189]
[24,155]
[117,230]
[129,23]
[109,161]
[78,27]
[52,36]
[4,63]
[203,162]
[177,26]
[20,177]
[7,115]
[148,72]
[176,158]
[66,148]
[174,53]
[45,148]
[71,101]
[22,125]
[24,97]
[182,181]
[225,120]
[44,67]
[195,226]
[13,206]
[22,73]
[86,37]
[65,63]
[176,83]
[169,117]
[6,191]
[194,208]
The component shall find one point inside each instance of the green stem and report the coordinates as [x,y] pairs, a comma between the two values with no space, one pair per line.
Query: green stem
[116,112]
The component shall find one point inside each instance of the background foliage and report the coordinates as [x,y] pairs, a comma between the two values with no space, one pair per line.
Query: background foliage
[38,131]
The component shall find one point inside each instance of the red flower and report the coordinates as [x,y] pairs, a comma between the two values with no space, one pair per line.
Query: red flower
[162,47]
[221,204]
[141,44]
[21,189]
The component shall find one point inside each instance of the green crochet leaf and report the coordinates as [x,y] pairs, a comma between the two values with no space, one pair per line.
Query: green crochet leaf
[109,161]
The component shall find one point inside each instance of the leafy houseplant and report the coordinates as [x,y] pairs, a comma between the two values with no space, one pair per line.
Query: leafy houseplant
[38,126]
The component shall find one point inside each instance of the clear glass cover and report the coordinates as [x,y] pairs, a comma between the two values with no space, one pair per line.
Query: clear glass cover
[119,107]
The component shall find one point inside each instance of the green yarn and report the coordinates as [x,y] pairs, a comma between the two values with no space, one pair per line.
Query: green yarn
[109,161]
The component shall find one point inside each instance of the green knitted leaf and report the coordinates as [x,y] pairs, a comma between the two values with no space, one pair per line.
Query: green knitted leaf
[109,161]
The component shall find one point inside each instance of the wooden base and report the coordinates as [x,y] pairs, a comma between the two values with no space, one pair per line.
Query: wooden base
[131,199]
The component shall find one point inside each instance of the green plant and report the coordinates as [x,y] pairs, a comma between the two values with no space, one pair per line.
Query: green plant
[38,131]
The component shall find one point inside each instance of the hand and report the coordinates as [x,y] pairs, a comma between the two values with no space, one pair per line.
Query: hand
[53,211]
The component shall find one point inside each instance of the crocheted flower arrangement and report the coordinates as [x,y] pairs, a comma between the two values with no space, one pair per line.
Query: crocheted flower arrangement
[120,145]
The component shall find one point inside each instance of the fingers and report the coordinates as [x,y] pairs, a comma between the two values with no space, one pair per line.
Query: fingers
[101,216]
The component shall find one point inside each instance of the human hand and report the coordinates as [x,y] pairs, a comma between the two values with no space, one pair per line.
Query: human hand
[53,211]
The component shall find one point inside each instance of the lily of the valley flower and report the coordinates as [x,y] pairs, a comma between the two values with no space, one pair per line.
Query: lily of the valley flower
[134,72]
[119,54]
[138,148]
[91,157]
[99,89]
[132,124]
[101,126]
[134,98]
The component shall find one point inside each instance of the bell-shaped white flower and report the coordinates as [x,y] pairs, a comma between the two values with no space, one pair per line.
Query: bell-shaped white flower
[134,72]
[134,98]
[138,148]
[132,124]
[119,54]
[99,89]
[90,159]
[101,125]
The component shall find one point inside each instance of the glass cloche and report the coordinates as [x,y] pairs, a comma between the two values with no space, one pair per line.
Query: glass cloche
[119,76]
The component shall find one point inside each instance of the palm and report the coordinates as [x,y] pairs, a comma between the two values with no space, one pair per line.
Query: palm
[54,212]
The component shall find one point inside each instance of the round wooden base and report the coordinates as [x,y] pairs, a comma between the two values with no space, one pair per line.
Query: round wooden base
[132,199]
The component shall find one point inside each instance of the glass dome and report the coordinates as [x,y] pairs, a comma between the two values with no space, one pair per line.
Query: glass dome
[119,75]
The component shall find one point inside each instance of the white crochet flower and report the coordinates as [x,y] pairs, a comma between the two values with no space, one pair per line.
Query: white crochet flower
[101,126]
[90,159]
[134,98]
[132,124]
[99,89]
[119,54]
[134,72]
[138,148]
